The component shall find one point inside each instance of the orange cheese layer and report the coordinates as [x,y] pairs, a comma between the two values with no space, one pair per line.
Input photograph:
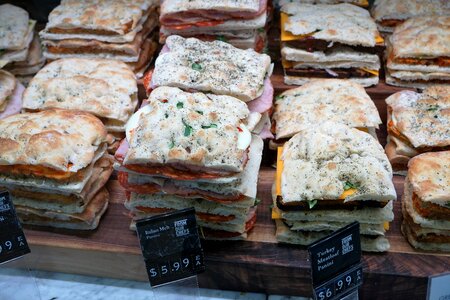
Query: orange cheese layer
[40,171]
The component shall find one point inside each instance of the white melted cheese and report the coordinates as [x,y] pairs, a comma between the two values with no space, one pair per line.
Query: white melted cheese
[133,122]
[244,138]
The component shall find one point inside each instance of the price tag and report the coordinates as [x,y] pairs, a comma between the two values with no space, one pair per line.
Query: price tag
[439,287]
[12,239]
[171,246]
[335,263]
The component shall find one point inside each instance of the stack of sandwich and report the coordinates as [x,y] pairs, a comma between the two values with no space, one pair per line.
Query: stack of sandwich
[187,149]
[418,52]
[114,29]
[10,95]
[54,165]
[426,202]
[218,68]
[20,50]
[329,41]
[321,100]
[417,123]
[102,87]
[328,176]
[362,3]
[390,13]
[241,23]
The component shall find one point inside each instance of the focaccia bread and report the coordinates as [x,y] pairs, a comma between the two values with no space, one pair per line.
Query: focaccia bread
[14,24]
[343,23]
[429,175]
[422,38]
[7,86]
[195,129]
[323,161]
[215,67]
[174,6]
[105,88]
[61,140]
[105,17]
[422,119]
[322,100]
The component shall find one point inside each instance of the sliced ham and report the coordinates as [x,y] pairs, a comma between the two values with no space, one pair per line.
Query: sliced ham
[202,17]
[122,151]
[264,102]
[266,133]
[14,105]
[222,234]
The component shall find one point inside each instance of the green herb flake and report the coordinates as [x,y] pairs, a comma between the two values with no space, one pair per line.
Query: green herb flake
[212,125]
[348,185]
[180,105]
[448,204]
[172,144]
[199,112]
[187,128]
[312,203]
[279,97]
[222,38]
[433,107]
[257,201]
[166,115]
[196,67]
[260,30]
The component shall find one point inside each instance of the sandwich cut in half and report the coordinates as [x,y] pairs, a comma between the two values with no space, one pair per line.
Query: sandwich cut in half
[418,53]
[102,87]
[240,23]
[54,165]
[426,202]
[110,29]
[10,95]
[328,176]
[192,149]
[417,123]
[329,41]
[390,13]
[218,68]
[338,100]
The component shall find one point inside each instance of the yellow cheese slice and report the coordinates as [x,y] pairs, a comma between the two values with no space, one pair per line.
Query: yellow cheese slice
[280,166]
[386,226]
[276,213]
[374,72]
[286,64]
[347,193]
[379,39]
[363,129]
[287,36]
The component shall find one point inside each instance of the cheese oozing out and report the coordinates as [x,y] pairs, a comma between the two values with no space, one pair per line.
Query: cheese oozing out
[244,138]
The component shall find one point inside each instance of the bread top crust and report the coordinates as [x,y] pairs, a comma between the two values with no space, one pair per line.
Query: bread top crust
[402,10]
[174,6]
[13,26]
[7,86]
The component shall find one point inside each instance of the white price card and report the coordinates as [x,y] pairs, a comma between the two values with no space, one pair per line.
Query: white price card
[439,287]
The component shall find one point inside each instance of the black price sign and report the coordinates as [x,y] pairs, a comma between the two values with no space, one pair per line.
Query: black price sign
[335,263]
[12,240]
[171,246]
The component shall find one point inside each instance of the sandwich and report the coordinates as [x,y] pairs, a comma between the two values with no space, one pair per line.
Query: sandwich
[104,88]
[10,95]
[54,165]
[203,156]
[329,41]
[362,3]
[240,23]
[328,176]
[217,68]
[390,13]
[418,53]
[321,100]
[417,123]
[426,202]
[109,29]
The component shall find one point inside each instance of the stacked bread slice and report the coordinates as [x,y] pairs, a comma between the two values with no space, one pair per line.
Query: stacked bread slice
[329,41]
[192,149]
[241,23]
[10,94]
[113,29]
[426,202]
[20,49]
[418,53]
[328,176]
[102,87]
[55,166]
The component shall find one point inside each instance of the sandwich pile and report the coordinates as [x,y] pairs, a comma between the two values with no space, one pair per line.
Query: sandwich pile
[54,165]
[10,95]
[329,41]
[418,53]
[417,123]
[242,23]
[102,87]
[328,176]
[426,202]
[338,100]
[191,149]
[20,49]
[218,68]
[390,13]
[113,29]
